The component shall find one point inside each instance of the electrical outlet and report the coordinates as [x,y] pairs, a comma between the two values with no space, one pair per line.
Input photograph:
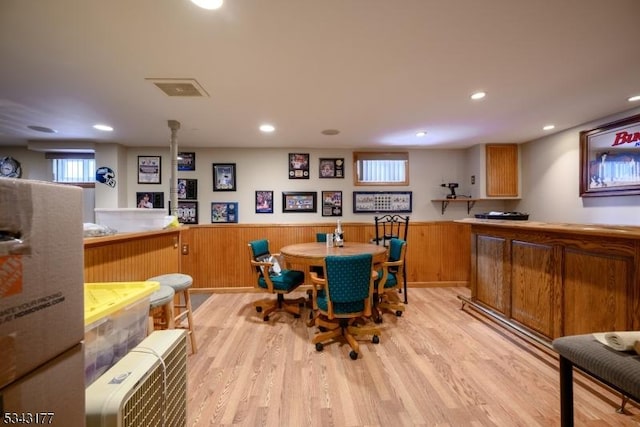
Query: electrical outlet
[473,179]
[185,249]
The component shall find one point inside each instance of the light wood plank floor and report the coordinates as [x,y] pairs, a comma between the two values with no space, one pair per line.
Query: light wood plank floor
[437,365]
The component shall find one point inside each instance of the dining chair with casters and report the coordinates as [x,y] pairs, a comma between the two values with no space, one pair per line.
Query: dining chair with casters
[392,227]
[343,299]
[390,276]
[270,278]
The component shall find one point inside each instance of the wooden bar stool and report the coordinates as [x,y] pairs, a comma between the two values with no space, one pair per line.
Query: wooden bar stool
[161,309]
[180,283]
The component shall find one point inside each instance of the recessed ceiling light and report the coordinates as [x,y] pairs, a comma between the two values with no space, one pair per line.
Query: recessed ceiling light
[478,95]
[421,133]
[549,127]
[634,98]
[267,128]
[104,128]
[208,4]
[330,132]
[42,129]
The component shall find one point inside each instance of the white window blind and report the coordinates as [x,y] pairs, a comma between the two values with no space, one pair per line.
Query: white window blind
[73,168]
[381,168]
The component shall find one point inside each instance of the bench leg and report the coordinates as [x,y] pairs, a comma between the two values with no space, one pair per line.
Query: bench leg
[625,399]
[566,392]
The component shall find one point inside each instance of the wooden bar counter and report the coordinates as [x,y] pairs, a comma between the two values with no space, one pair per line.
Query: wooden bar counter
[552,280]
[132,257]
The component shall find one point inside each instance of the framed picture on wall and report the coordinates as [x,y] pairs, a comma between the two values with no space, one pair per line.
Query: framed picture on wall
[188,212]
[224,177]
[610,159]
[298,166]
[299,201]
[382,201]
[150,200]
[149,169]
[331,168]
[186,161]
[332,203]
[224,212]
[187,189]
[264,201]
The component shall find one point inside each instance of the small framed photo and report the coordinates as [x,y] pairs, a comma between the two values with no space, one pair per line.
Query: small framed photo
[188,212]
[224,212]
[224,177]
[298,165]
[264,201]
[186,161]
[331,168]
[332,203]
[187,189]
[149,169]
[146,200]
[299,201]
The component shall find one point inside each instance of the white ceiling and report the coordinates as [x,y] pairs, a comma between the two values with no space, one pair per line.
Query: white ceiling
[379,71]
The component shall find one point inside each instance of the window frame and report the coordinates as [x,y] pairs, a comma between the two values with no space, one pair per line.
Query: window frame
[359,156]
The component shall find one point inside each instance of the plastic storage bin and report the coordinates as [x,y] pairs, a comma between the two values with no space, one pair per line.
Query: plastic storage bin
[116,318]
[125,220]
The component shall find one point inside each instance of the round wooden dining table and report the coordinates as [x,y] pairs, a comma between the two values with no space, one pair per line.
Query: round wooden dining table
[313,253]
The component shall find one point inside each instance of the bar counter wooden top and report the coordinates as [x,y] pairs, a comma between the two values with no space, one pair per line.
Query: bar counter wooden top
[605,230]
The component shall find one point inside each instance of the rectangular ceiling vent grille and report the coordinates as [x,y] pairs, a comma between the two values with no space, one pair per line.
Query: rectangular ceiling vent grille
[180,87]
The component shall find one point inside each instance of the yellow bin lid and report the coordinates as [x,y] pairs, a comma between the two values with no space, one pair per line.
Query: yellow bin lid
[105,298]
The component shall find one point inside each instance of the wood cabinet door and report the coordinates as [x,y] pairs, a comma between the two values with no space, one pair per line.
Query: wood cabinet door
[502,170]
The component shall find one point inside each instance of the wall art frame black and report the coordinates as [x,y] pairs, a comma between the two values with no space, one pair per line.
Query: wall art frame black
[299,201]
[382,201]
[224,177]
[298,165]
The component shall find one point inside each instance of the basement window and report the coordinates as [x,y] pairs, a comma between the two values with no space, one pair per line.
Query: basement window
[381,168]
[73,168]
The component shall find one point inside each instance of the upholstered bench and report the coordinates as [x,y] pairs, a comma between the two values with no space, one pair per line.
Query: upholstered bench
[619,370]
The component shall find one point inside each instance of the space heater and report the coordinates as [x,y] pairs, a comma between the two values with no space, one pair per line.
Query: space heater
[146,388]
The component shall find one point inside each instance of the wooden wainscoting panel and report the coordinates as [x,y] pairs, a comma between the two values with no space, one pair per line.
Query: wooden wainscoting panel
[532,286]
[597,294]
[437,252]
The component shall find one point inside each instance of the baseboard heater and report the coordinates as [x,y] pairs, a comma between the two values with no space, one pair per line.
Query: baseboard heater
[146,388]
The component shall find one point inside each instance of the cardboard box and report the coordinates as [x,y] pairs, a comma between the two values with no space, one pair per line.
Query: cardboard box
[53,394]
[41,274]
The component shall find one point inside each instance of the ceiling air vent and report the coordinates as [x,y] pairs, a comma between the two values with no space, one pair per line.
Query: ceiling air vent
[179,87]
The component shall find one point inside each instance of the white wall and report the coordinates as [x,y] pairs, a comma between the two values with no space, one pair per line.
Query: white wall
[550,175]
[267,169]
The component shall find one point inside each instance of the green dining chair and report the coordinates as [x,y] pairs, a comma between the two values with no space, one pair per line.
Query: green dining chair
[270,277]
[391,277]
[342,299]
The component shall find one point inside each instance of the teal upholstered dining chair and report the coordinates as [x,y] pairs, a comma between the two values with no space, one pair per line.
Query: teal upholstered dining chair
[270,277]
[342,298]
[392,227]
[390,279]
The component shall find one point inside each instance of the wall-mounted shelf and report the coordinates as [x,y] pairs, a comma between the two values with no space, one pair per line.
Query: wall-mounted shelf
[445,202]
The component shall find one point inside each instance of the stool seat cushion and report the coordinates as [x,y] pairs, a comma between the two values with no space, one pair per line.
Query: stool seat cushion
[178,281]
[161,297]
[618,368]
